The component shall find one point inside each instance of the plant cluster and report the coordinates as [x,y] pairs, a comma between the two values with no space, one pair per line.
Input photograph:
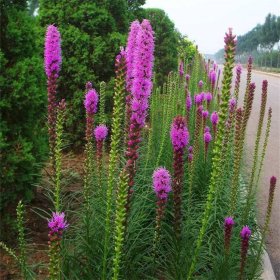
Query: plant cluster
[158,206]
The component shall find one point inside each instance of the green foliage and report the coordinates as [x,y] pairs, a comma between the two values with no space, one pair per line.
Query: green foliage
[166,44]
[22,84]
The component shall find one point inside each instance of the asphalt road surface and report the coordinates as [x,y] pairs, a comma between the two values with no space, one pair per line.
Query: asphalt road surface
[272,160]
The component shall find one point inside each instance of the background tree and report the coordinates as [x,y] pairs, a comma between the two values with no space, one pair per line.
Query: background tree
[166,43]
[23,141]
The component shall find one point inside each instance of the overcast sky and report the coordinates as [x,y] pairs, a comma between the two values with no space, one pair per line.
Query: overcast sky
[205,21]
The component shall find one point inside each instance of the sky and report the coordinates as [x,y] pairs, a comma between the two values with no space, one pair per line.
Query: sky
[206,21]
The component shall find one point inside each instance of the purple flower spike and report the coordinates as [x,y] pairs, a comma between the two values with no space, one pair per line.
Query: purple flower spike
[189,102]
[57,224]
[208,97]
[232,104]
[142,84]
[179,134]
[52,51]
[205,114]
[215,118]
[245,233]
[161,183]
[131,53]
[206,129]
[213,77]
[200,84]
[101,132]
[238,69]
[91,101]
[198,98]
[207,137]
[228,224]
[188,78]
[181,69]
[190,150]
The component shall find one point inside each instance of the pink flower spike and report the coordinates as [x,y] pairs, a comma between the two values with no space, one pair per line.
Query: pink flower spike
[161,182]
[101,132]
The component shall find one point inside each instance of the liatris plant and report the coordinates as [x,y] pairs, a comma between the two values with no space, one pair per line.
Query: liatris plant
[249,78]
[100,134]
[207,139]
[179,138]
[208,98]
[21,240]
[102,118]
[230,44]
[228,224]
[57,225]
[200,85]
[90,103]
[267,220]
[237,144]
[256,151]
[198,98]
[188,77]
[131,50]
[212,77]
[116,132]
[52,67]
[237,81]
[120,218]
[141,90]
[267,133]
[190,155]
[205,115]
[181,69]
[61,108]
[188,107]
[214,120]
[161,186]
[245,236]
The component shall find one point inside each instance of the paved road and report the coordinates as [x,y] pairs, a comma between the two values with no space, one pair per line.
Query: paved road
[272,160]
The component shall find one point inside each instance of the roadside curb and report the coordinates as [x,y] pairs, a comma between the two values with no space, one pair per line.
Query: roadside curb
[267,73]
[268,273]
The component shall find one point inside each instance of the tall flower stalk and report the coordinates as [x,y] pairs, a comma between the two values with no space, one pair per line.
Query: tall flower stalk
[100,134]
[239,149]
[256,151]
[57,225]
[21,240]
[267,221]
[161,186]
[238,71]
[230,44]
[228,225]
[249,78]
[116,132]
[120,223]
[58,153]
[102,93]
[267,133]
[179,138]
[52,55]
[140,92]
[90,103]
[245,237]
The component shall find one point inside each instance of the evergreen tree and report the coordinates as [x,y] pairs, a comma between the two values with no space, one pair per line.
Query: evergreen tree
[23,141]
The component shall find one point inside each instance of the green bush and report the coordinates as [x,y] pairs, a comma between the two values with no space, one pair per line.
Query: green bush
[23,139]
